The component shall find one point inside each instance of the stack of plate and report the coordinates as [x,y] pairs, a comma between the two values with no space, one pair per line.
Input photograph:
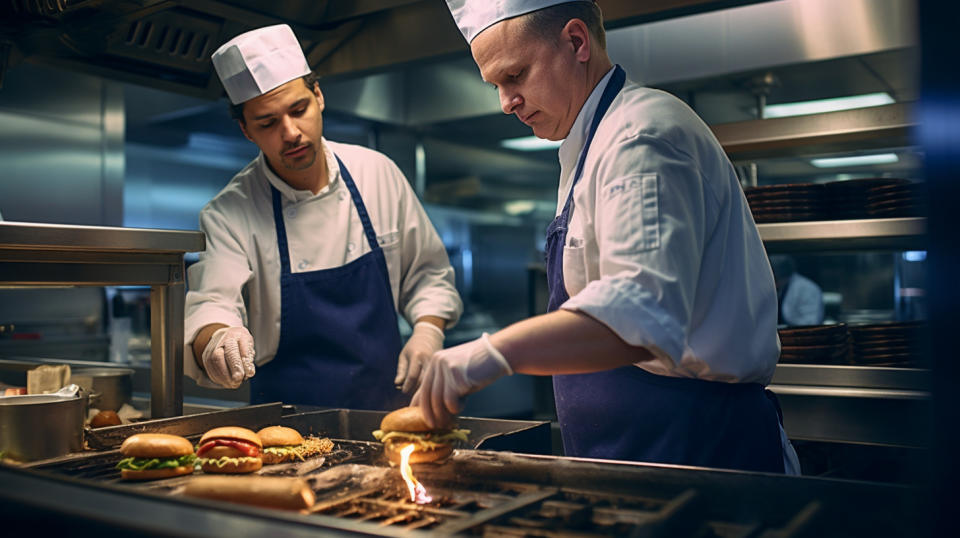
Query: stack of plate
[786,203]
[889,344]
[898,200]
[850,199]
[815,344]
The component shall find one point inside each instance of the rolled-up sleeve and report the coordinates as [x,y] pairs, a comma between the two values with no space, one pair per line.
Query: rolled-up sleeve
[216,282]
[427,279]
[648,239]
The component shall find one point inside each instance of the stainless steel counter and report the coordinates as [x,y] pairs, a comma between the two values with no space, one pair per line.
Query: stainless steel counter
[57,255]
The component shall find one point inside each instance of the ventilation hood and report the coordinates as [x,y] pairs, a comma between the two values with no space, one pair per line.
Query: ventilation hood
[166,44]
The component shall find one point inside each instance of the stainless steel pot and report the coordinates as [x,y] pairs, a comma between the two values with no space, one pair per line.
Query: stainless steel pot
[41,426]
[114,385]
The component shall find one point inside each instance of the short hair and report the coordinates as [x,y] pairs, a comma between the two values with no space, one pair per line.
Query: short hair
[236,110]
[547,22]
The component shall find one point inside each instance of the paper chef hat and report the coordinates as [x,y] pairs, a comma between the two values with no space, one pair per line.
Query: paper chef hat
[255,62]
[475,16]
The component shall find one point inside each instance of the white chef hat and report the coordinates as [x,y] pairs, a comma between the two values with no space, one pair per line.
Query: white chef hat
[475,16]
[255,62]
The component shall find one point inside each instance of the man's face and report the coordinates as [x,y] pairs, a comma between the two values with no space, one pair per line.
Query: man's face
[537,80]
[286,124]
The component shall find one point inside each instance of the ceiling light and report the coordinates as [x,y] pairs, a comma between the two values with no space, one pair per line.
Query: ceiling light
[857,160]
[519,207]
[530,143]
[803,108]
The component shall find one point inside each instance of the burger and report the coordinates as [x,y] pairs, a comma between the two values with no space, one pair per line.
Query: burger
[282,444]
[230,449]
[155,455]
[406,426]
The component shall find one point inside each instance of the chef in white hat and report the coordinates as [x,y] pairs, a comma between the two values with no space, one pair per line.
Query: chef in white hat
[662,324]
[312,250]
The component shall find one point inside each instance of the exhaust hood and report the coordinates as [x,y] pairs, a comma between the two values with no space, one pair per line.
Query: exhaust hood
[166,44]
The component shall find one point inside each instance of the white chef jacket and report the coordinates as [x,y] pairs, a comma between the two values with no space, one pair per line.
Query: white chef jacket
[323,231]
[802,302]
[661,246]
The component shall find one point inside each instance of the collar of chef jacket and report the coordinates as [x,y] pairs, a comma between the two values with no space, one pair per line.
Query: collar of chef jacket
[570,148]
[299,195]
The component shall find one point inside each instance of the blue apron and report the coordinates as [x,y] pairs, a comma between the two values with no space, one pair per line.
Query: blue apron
[339,339]
[628,413]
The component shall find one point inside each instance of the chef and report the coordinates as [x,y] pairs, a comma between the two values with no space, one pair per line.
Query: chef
[661,332]
[801,299]
[312,249]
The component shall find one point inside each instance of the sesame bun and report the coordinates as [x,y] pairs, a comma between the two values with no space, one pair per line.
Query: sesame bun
[232,432]
[279,436]
[155,445]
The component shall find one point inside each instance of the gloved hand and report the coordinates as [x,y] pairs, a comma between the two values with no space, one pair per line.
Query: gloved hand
[228,357]
[426,340]
[455,372]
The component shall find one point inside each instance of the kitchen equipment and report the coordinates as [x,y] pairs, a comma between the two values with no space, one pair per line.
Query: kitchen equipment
[475,492]
[115,385]
[40,426]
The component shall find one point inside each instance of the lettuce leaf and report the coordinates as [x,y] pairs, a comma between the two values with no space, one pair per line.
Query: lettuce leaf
[143,464]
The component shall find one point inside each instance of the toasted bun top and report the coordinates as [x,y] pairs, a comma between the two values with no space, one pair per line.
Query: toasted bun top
[279,436]
[155,445]
[405,419]
[231,432]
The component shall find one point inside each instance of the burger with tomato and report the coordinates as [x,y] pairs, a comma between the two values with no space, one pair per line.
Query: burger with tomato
[230,449]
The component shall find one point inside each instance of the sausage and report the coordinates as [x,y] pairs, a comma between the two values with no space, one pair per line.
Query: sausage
[286,493]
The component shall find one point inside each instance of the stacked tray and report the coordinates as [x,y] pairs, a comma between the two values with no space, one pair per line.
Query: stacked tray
[786,203]
[852,199]
[815,344]
[897,200]
[889,344]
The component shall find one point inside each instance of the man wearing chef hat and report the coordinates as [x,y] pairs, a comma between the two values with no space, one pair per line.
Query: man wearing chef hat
[662,327]
[314,246]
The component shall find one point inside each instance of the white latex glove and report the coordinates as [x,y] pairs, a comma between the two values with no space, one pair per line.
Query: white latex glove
[228,357]
[426,340]
[455,372]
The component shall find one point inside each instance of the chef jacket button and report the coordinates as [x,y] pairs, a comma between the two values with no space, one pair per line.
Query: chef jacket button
[350,247]
[342,196]
[303,265]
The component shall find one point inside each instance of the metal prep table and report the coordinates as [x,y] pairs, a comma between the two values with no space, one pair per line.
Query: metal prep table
[56,255]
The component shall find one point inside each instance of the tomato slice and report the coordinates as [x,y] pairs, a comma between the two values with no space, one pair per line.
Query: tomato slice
[248,449]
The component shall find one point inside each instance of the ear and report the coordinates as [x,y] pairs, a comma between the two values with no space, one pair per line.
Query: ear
[318,94]
[576,35]
[243,129]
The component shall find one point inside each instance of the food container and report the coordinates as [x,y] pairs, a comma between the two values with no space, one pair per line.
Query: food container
[41,426]
[114,385]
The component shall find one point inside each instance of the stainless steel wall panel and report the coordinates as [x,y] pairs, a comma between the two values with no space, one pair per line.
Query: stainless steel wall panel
[61,156]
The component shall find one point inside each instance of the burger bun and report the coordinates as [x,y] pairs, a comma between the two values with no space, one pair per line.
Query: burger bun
[152,474]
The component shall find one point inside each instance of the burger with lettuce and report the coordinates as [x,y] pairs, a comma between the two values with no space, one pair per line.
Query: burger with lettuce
[148,456]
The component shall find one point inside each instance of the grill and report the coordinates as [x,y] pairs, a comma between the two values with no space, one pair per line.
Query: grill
[497,493]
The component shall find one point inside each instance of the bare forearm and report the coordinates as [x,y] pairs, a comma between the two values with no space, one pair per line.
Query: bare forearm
[202,339]
[564,342]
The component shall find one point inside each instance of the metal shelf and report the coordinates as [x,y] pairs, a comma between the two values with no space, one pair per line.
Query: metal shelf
[884,126]
[56,255]
[845,235]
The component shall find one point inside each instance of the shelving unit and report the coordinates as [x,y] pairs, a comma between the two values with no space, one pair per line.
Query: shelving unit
[56,255]
[849,404]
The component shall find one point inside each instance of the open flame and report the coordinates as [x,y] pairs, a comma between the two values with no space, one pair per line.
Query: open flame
[418,493]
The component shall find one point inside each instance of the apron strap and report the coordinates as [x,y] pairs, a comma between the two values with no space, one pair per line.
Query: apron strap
[358,203]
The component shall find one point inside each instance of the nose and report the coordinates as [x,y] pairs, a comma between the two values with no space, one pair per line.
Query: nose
[509,101]
[289,129]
